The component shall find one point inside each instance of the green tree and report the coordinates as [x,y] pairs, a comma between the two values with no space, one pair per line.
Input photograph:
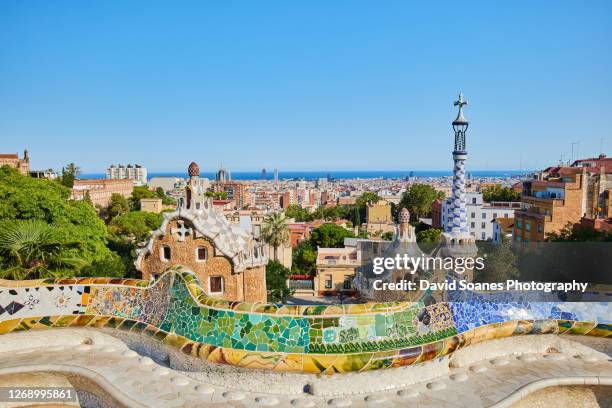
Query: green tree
[166,199]
[134,226]
[276,282]
[117,205]
[571,234]
[33,249]
[418,200]
[500,264]
[429,236]
[276,232]
[367,197]
[69,174]
[501,194]
[304,259]
[387,236]
[217,195]
[112,266]
[298,213]
[329,236]
[138,193]
[356,217]
[87,198]
[27,198]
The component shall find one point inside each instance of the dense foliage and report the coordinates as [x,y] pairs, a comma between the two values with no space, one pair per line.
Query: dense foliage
[134,226]
[35,249]
[329,236]
[429,236]
[499,193]
[570,234]
[304,259]
[139,193]
[78,230]
[276,282]
[418,200]
[69,174]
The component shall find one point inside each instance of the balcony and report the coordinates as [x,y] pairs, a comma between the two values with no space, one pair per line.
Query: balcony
[338,262]
[529,199]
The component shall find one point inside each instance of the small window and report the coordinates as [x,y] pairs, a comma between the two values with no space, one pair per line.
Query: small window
[328,282]
[484,215]
[215,284]
[540,228]
[348,282]
[473,215]
[474,200]
[166,253]
[202,254]
[473,225]
[483,236]
[483,225]
[527,226]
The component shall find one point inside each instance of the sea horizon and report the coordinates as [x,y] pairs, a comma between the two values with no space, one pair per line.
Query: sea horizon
[334,174]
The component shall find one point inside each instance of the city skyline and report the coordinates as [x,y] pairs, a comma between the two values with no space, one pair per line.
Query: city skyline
[305,88]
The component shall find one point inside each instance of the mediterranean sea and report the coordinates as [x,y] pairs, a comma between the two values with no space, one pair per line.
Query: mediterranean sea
[335,174]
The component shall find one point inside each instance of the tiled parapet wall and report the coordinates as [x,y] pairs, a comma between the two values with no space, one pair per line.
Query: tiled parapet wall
[314,339]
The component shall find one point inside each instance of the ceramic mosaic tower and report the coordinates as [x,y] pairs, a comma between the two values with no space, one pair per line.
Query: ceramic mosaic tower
[457,222]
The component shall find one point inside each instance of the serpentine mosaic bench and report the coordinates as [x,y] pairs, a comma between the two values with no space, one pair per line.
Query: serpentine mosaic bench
[313,339]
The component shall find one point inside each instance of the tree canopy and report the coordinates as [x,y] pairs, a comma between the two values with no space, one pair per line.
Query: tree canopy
[304,259]
[276,282]
[134,226]
[499,193]
[27,198]
[429,236]
[418,200]
[33,249]
[138,193]
[329,236]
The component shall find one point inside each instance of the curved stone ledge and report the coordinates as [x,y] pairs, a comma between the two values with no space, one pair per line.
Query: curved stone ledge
[174,311]
[434,383]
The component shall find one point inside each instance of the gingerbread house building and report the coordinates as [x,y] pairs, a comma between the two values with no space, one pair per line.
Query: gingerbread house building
[226,259]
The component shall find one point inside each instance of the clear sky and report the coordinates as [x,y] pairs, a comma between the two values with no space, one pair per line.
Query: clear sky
[311,85]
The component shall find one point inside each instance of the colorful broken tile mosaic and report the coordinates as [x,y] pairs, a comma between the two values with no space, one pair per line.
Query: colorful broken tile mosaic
[315,339]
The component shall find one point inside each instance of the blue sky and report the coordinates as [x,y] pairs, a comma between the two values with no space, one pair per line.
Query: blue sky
[312,85]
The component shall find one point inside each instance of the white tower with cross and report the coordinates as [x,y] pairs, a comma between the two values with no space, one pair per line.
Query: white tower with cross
[457,221]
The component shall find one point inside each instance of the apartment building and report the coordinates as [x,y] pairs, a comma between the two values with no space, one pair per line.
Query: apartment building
[558,196]
[132,172]
[101,190]
[480,214]
[336,271]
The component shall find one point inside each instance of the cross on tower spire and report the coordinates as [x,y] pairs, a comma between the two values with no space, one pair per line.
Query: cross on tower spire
[461,103]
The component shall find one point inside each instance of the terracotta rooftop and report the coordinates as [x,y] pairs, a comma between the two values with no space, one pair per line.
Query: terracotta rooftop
[9,156]
[505,223]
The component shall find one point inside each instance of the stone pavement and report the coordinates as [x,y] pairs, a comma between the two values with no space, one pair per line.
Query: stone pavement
[129,379]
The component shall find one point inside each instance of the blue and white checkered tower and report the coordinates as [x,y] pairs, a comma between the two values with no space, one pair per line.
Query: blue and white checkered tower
[457,221]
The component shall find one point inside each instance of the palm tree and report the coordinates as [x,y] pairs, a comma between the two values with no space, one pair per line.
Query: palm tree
[275,231]
[73,169]
[33,249]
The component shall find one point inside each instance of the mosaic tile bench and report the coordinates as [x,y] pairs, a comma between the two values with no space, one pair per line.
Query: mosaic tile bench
[313,339]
